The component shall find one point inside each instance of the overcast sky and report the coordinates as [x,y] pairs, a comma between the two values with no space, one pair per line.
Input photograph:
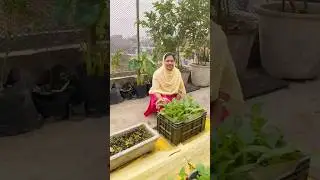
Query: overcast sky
[123,16]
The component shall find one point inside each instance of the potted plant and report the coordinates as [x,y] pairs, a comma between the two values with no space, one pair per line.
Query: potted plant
[149,70]
[244,148]
[299,58]
[52,96]
[142,64]
[127,90]
[195,20]
[240,29]
[92,16]
[200,70]
[131,143]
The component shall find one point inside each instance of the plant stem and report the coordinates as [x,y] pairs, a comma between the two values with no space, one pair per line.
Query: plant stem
[138,28]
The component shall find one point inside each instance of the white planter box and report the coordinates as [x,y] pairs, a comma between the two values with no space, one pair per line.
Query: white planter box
[135,151]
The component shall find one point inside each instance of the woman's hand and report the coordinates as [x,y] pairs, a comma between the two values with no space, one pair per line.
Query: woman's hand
[161,102]
[179,96]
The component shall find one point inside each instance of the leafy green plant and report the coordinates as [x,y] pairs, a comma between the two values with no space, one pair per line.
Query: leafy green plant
[143,65]
[195,26]
[115,59]
[243,144]
[182,110]
[93,17]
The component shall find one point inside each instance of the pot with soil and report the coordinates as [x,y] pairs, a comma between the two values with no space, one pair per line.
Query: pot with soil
[131,143]
[200,70]
[144,66]
[115,96]
[289,40]
[52,97]
[241,35]
[141,90]
[200,74]
[127,91]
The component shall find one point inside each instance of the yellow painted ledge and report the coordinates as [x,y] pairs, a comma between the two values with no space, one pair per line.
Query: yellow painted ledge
[167,160]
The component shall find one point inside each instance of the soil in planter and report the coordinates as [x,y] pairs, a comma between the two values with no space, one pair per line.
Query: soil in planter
[127,91]
[125,141]
[52,95]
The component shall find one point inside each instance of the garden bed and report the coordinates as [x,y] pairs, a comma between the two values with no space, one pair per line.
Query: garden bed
[131,143]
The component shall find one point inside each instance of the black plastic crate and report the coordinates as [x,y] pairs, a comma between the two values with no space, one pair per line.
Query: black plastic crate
[179,132]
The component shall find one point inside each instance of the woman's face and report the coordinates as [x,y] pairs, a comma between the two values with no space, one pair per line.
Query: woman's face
[169,63]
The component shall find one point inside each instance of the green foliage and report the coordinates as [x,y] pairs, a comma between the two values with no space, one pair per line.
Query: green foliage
[182,110]
[83,13]
[182,174]
[143,65]
[163,26]
[93,17]
[195,20]
[178,26]
[115,59]
[241,145]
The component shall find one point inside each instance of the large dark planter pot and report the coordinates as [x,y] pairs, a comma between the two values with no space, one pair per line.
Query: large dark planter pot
[289,42]
[141,91]
[115,96]
[54,104]
[96,94]
[18,113]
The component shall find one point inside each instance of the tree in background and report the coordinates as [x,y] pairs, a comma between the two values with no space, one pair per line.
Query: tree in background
[164,28]
[178,26]
[195,20]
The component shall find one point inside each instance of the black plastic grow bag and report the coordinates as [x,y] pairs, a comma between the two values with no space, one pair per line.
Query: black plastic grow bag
[17,112]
